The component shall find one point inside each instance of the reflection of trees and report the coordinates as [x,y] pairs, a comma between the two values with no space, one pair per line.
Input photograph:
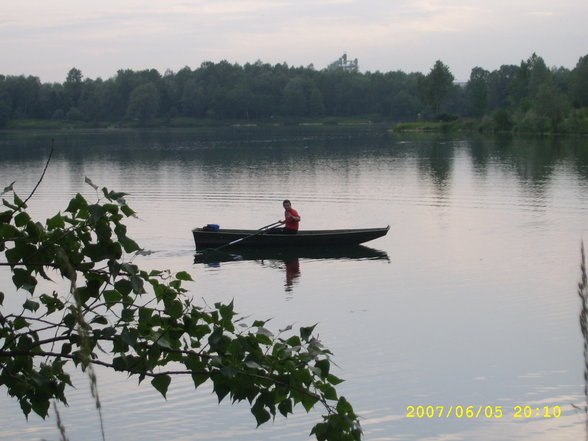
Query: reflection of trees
[435,162]
[237,150]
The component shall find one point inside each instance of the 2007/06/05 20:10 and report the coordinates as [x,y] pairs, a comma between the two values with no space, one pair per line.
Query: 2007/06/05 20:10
[482,412]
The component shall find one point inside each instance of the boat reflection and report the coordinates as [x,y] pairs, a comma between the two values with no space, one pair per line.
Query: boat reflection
[288,259]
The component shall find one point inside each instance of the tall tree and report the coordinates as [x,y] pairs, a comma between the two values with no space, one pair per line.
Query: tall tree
[143,103]
[546,101]
[579,83]
[436,85]
[477,90]
[73,86]
[294,101]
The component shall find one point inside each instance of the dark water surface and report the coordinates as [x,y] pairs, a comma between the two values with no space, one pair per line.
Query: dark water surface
[470,300]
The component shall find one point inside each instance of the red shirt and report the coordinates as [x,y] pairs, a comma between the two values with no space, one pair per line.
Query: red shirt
[289,222]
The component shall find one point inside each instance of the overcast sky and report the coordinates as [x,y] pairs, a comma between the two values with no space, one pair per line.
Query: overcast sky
[46,38]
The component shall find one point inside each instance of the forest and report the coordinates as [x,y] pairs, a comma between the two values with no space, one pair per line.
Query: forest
[529,97]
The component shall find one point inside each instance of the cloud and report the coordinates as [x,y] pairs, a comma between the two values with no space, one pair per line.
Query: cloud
[384,34]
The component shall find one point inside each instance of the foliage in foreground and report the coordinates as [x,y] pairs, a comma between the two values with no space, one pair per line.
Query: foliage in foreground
[141,323]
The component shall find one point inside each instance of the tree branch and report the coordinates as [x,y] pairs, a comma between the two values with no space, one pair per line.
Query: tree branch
[42,176]
[159,374]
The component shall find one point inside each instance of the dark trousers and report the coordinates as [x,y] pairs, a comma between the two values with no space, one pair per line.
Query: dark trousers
[281,230]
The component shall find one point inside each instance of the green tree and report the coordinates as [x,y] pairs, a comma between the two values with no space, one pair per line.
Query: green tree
[316,106]
[143,103]
[579,83]
[500,85]
[547,105]
[73,86]
[477,90]
[114,314]
[4,113]
[295,101]
[436,85]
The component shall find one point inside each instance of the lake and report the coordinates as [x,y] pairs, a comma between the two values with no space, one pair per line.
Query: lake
[470,300]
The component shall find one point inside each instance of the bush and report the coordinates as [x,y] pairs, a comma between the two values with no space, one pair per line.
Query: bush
[502,120]
[141,323]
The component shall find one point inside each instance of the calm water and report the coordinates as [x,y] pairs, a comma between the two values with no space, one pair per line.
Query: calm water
[470,299]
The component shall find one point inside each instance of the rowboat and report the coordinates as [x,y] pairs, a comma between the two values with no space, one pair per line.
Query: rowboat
[205,238]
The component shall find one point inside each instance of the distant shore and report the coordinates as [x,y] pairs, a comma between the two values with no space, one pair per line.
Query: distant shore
[422,127]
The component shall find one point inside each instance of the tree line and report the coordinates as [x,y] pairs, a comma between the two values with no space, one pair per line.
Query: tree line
[526,97]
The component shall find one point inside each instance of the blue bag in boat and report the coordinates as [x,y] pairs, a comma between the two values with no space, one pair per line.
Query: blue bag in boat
[211,227]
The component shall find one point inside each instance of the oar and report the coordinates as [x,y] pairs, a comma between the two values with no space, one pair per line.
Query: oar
[261,230]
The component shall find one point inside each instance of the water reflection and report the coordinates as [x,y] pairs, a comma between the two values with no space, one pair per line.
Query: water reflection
[288,259]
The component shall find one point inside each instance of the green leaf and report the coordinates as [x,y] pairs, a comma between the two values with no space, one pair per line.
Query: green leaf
[76,204]
[334,380]
[128,211]
[31,305]
[174,308]
[90,183]
[294,341]
[320,431]
[306,332]
[40,406]
[8,188]
[285,407]
[324,366]
[260,413]
[114,195]
[100,319]
[137,284]
[344,407]
[129,245]
[8,231]
[22,279]
[55,222]
[161,383]
[96,212]
[66,349]
[199,379]
[127,315]
[183,275]
[19,202]
[112,297]
[129,337]
[1,298]
[221,388]
[229,371]
[329,392]
[264,331]
[5,217]
[123,286]
[19,323]
[308,402]
[264,339]
[21,219]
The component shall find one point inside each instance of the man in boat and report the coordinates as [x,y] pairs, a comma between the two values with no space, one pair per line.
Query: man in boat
[291,219]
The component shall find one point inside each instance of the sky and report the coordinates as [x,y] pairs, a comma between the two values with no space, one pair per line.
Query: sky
[46,38]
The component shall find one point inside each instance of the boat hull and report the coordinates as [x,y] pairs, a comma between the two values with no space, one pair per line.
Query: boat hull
[309,238]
